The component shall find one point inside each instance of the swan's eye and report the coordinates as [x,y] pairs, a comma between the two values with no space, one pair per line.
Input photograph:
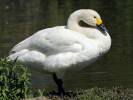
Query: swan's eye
[94,16]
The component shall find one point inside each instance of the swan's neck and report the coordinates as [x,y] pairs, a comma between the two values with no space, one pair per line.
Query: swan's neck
[73,24]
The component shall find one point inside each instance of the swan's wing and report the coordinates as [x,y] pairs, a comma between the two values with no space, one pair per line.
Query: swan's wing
[55,49]
[55,40]
[52,41]
[20,46]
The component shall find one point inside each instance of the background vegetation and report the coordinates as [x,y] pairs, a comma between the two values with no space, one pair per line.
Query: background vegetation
[13,80]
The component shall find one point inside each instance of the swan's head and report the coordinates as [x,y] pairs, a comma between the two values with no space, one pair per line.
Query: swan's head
[89,16]
[92,18]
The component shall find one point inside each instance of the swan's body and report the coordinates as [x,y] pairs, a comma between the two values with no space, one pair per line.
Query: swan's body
[62,48]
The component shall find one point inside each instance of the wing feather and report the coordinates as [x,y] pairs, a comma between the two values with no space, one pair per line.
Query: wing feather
[51,41]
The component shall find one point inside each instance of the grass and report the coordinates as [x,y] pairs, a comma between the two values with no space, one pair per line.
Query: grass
[116,93]
[14,79]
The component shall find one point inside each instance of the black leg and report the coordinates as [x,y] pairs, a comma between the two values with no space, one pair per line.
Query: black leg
[59,83]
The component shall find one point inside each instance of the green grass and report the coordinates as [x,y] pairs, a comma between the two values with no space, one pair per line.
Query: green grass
[14,82]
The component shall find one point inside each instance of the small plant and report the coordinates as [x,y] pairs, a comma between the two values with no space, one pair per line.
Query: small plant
[13,80]
[40,92]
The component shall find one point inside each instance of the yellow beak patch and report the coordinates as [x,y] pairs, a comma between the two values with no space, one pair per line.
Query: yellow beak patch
[99,21]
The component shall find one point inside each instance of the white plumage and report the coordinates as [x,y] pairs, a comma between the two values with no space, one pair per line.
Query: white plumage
[63,48]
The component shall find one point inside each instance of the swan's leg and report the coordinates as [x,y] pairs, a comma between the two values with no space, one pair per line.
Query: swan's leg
[59,83]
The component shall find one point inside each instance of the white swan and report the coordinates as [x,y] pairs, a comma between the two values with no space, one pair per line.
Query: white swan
[65,48]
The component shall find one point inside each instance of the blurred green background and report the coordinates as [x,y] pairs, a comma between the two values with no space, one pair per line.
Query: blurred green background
[21,18]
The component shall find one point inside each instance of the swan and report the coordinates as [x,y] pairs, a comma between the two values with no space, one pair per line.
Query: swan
[61,49]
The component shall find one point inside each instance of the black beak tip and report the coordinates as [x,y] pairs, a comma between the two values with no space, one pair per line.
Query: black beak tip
[102,28]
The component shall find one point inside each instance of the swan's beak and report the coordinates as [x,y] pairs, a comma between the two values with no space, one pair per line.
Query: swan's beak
[100,25]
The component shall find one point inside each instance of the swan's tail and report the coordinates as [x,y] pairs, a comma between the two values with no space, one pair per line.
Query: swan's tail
[13,55]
